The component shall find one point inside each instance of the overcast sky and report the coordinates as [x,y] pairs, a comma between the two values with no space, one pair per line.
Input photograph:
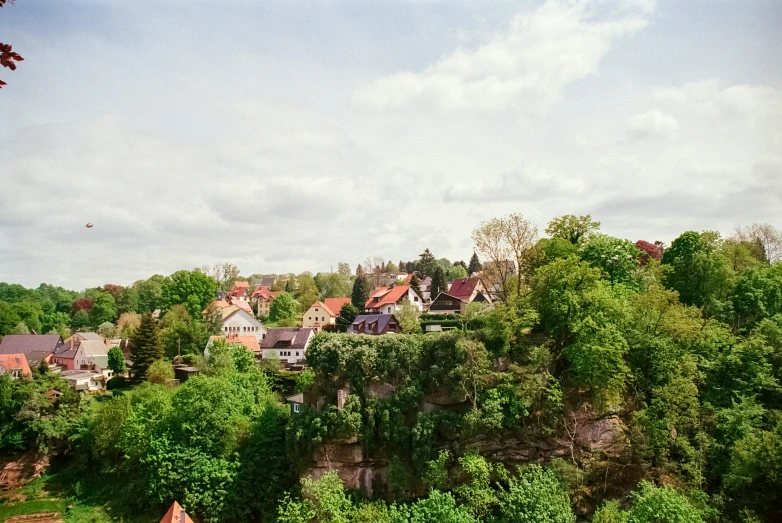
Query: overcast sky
[289,136]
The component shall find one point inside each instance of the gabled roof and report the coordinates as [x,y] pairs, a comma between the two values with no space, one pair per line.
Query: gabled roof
[386,296]
[242,304]
[26,343]
[217,304]
[265,293]
[87,336]
[93,348]
[241,284]
[462,288]
[10,362]
[173,515]
[228,311]
[321,305]
[251,342]
[297,336]
[373,323]
[335,304]
[267,282]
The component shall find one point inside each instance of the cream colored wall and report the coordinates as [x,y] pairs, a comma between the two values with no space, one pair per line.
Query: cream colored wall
[317,315]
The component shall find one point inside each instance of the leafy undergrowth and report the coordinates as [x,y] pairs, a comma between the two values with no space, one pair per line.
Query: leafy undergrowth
[77,501]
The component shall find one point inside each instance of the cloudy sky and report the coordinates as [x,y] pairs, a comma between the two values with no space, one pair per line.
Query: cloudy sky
[289,136]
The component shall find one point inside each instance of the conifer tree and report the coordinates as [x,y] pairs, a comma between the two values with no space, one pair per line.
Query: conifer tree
[360,293]
[438,283]
[147,347]
[427,263]
[475,265]
[415,283]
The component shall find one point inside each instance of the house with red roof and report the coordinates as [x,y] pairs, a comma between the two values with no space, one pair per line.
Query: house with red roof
[176,514]
[251,342]
[386,300]
[461,293]
[15,366]
[263,297]
[241,291]
[322,313]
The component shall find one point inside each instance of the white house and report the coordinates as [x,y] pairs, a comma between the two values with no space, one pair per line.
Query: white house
[84,379]
[289,345]
[240,322]
[386,300]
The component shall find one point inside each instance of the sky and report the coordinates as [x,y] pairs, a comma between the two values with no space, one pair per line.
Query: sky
[290,136]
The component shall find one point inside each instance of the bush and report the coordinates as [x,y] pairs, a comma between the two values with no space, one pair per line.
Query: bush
[117,382]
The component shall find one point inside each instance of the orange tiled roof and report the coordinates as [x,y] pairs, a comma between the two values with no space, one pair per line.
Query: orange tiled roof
[251,342]
[11,362]
[386,295]
[335,304]
[173,515]
[265,293]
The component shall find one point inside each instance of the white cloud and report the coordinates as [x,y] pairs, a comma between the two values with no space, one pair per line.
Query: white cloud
[523,68]
[652,124]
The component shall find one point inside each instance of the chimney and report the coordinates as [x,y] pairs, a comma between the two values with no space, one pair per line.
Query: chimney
[182,515]
[106,341]
[71,342]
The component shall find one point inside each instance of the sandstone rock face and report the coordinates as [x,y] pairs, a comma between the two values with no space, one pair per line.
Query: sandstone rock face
[585,436]
[21,469]
[356,471]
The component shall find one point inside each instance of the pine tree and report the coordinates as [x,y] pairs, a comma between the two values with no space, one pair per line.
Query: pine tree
[146,347]
[415,283]
[359,271]
[360,293]
[438,283]
[401,265]
[427,263]
[475,265]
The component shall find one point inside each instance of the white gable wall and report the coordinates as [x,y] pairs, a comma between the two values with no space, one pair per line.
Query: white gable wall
[242,323]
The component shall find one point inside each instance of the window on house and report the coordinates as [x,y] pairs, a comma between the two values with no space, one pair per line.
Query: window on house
[389,309]
[415,298]
[310,317]
[322,318]
[296,407]
[297,353]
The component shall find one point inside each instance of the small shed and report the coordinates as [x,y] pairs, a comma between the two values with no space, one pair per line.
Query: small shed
[183,372]
[296,401]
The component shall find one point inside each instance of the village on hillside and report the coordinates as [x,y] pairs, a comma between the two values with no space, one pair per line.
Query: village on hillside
[272,320]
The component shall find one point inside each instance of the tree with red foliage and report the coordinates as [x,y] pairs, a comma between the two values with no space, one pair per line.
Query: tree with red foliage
[649,250]
[113,289]
[82,304]
[8,57]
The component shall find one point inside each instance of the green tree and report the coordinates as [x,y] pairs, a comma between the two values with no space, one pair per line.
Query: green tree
[698,270]
[30,312]
[426,263]
[475,264]
[107,330]
[360,293]
[661,505]
[438,283]
[9,319]
[146,347]
[104,308]
[160,372]
[282,308]
[20,328]
[574,229]
[128,300]
[307,292]
[116,361]
[193,289]
[347,314]
[150,294]
[80,320]
[619,259]
[408,316]
[535,496]
[456,272]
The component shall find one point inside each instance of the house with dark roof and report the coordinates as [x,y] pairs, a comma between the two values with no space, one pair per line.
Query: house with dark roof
[15,366]
[386,300]
[35,347]
[375,324]
[461,293]
[288,344]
